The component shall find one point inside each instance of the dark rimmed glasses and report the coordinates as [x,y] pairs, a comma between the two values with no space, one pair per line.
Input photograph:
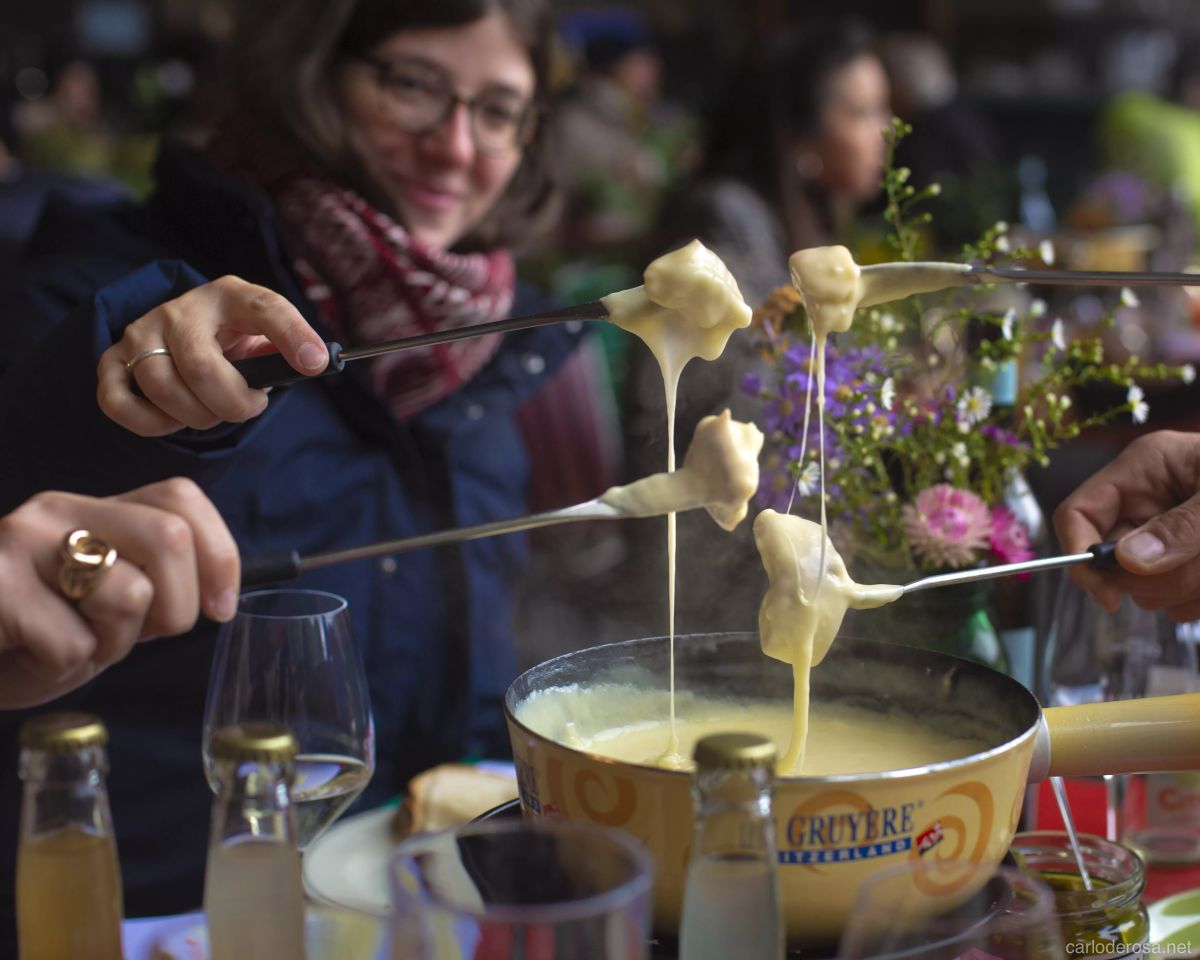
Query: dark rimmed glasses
[418,99]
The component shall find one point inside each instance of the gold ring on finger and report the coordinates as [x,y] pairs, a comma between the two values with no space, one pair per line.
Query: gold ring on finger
[85,560]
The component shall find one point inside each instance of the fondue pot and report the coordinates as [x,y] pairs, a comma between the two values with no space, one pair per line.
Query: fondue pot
[832,831]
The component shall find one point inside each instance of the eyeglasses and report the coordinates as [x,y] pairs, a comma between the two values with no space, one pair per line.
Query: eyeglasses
[417,99]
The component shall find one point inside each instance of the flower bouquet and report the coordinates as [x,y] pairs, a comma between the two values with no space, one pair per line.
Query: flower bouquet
[935,405]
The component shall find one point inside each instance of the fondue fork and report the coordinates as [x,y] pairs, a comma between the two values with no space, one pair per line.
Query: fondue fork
[271,370]
[883,282]
[1102,556]
[281,565]
[880,283]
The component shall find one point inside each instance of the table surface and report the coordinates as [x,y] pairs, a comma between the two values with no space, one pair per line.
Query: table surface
[1086,797]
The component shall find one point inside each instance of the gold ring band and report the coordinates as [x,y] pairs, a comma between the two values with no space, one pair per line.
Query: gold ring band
[155,352]
[85,559]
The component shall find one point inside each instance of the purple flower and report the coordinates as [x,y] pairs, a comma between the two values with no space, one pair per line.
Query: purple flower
[752,384]
[998,434]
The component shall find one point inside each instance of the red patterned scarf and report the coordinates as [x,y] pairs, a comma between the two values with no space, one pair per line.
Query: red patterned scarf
[370,280]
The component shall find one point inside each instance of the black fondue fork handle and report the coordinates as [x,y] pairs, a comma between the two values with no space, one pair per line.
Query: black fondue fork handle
[272,370]
[1104,555]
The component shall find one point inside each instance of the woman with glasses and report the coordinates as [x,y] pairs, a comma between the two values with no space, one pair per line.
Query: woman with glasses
[377,162]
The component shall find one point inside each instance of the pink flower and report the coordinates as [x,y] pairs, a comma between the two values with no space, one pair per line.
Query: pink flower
[1010,539]
[946,526]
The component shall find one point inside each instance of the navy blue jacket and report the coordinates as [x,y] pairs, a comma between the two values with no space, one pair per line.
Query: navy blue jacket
[324,467]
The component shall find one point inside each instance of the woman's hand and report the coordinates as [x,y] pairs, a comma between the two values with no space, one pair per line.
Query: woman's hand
[194,384]
[1149,497]
[175,557]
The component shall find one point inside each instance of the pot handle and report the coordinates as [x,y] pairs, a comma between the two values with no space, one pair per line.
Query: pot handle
[1120,736]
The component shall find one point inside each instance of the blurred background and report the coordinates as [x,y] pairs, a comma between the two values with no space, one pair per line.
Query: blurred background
[1075,121]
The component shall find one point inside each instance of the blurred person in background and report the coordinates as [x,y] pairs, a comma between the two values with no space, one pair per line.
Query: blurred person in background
[67,129]
[951,142]
[793,154]
[376,165]
[617,143]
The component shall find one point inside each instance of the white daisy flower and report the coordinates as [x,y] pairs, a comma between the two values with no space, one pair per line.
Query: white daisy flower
[1002,244]
[1037,308]
[1046,252]
[1187,373]
[1139,409]
[1129,298]
[1006,325]
[975,405]
[1000,226]
[1056,336]
[809,480]
[887,393]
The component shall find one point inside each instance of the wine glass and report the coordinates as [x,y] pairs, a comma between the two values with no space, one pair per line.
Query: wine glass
[521,890]
[953,910]
[289,656]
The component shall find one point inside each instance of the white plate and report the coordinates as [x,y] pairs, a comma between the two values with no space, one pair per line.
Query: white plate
[348,865]
[1175,924]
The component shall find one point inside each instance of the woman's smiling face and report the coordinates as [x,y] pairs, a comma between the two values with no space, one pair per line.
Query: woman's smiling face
[441,184]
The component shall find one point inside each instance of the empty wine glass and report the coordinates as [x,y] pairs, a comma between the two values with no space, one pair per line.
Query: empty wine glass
[952,910]
[521,890]
[289,656]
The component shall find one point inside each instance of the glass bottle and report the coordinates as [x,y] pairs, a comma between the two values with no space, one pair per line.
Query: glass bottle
[68,897]
[253,894]
[731,902]
[1110,919]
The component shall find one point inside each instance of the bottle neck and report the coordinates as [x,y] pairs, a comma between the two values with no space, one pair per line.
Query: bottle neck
[733,813]
[64,790]
[253,800]
[1001,382]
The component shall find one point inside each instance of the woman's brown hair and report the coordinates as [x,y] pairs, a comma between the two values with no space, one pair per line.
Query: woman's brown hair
[285,57]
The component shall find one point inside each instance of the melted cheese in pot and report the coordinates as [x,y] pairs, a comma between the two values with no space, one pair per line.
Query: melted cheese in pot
[845,739]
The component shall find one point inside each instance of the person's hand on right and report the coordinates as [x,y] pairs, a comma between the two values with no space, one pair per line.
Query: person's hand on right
[175,558]
[195,384]
[1148,499]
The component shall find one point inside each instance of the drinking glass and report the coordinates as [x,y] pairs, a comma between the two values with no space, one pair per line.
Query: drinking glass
[535,890]
[289,656]
[920,910]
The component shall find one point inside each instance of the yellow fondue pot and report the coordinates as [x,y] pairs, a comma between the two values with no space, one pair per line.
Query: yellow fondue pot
[834,831]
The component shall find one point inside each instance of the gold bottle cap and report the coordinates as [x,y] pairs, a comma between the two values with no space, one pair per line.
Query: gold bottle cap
[267,742]
[63,731]
[734,751]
